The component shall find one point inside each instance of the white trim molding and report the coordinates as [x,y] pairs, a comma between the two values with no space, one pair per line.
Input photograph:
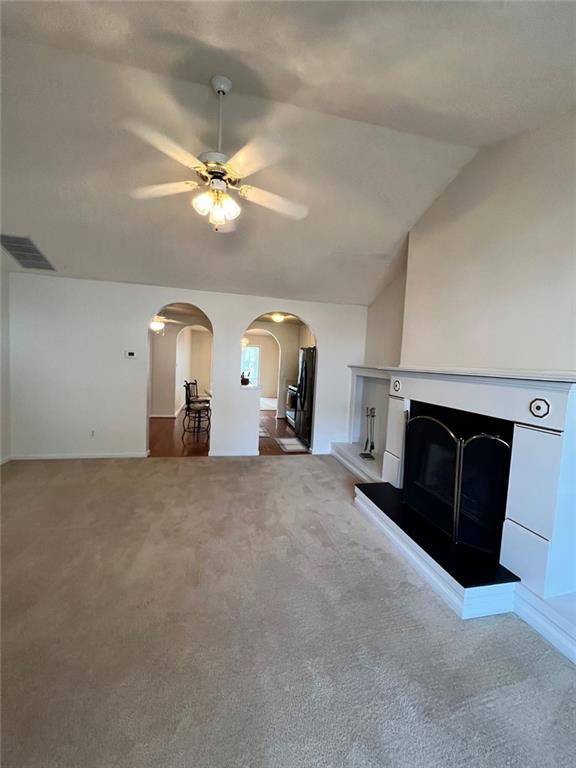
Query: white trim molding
[233,453]
[548,619]
[65,456]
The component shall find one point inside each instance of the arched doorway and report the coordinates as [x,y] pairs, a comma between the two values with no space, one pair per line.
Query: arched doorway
[278,352]
[181,349]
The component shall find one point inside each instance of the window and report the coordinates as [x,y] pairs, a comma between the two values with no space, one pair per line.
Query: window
[251,363]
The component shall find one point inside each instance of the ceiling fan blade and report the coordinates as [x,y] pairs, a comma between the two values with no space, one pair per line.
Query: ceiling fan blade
[273,202]
[163,144]
[163,190]
[257,154]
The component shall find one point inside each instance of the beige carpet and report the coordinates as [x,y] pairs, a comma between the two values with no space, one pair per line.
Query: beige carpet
[240,613]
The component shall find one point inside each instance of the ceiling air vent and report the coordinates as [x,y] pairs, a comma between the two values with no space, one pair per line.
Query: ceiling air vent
[23,250]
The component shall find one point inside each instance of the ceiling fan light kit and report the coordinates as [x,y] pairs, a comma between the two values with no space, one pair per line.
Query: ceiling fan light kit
[217,204]
[215,170]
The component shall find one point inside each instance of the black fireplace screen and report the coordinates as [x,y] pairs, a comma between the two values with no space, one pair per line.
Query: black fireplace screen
[456,467]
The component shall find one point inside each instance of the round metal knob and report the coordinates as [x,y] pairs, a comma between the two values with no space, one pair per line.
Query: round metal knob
[539,407]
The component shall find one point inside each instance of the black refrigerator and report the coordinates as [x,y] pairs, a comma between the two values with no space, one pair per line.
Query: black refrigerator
[305,394]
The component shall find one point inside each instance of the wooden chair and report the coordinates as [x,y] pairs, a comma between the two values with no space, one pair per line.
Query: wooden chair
[197,411]
[191,388]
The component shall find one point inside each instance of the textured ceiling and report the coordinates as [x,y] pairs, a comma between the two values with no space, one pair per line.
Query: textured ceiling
[68,168]
[421,82]
[469,72]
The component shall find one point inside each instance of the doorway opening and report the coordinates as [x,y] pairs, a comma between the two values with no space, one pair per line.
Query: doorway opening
[279,356]
[181,356]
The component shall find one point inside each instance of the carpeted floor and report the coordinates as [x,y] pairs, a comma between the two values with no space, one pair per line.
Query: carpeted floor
[240,613]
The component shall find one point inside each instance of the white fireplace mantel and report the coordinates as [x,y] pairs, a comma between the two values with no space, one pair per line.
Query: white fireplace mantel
[539,535]
[566,377]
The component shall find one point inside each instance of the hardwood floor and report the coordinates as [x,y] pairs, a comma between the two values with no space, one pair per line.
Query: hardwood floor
[276,428]
[166,438]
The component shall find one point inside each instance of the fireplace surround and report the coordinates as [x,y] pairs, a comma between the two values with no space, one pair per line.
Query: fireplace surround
[538,541]
[456,467]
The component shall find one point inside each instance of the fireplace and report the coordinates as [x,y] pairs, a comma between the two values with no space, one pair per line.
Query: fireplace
[456,467]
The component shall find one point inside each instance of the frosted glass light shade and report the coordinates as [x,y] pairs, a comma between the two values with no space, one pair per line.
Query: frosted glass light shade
[203,203]
[217,215]
[231,208]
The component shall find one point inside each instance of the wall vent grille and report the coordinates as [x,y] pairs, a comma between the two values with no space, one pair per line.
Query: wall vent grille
[23,250]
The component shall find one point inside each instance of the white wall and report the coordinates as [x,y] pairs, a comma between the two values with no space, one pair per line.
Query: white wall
[201,359]
[287,335]
[179,354]
[306,337]
[5,450]
[163,370]
[375,394]
[492,264]
[183,366]
[94,387]
[269,362]
[384,323]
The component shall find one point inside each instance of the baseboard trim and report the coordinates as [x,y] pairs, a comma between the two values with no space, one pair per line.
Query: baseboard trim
[544,619]
[467,603]
[5,460]
[164,415]
[233,453]
[50,456]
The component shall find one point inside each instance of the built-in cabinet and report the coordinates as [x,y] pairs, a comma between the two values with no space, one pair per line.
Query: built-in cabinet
[369,390]
[539,538]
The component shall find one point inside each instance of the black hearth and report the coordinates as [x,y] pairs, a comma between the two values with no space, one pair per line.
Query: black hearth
[456,467]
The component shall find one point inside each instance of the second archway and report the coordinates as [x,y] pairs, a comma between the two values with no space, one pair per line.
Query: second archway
[279,354]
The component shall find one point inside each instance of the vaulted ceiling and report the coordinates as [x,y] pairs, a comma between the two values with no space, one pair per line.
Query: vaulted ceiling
[379,106]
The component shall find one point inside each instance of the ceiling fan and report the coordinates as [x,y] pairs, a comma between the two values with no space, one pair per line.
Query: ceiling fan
[159,321]
[218,173]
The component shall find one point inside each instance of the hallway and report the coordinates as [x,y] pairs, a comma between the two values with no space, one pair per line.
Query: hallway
[274,428]
[166,438]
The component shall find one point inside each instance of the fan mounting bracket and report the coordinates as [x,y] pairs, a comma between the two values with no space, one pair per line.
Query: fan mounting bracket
[216,167]
[221,85]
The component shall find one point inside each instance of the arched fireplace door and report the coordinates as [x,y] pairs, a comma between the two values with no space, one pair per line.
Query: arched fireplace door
[456,480]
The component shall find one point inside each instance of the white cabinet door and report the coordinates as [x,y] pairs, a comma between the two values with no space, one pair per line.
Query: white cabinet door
[533,481]
[526,555]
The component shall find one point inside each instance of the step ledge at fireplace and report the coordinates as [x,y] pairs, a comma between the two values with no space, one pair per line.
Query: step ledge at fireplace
[467,603]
